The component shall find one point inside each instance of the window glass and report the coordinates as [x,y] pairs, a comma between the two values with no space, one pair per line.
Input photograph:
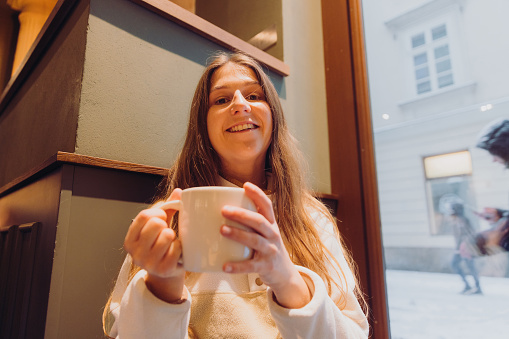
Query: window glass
[418,40]
[421,73]
[442,198]
[441,51]
[420,59]
[423,87]
[445,80]
[443,66]
[438,32]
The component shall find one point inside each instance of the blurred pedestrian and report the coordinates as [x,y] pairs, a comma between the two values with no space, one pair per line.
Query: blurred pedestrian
[464,235]
[494,138]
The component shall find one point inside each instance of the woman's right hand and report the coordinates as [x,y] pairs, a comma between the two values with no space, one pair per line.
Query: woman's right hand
[154,246]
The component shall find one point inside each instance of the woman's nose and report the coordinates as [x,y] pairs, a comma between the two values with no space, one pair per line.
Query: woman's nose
[239,103]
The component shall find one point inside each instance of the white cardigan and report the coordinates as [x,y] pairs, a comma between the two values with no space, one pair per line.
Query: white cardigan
[222,305]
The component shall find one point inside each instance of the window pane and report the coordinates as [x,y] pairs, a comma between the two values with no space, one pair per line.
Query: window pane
[420,59]
[423,207]
[438,32]
[423,87]
[445,80]
[443,66]
[421,73]
[418,40]
[441,51]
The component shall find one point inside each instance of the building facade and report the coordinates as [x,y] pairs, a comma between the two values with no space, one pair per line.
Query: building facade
[437,76]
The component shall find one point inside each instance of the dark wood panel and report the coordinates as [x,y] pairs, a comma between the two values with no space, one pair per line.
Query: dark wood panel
[39,108]
[8,237]
[36,201]
[17,278]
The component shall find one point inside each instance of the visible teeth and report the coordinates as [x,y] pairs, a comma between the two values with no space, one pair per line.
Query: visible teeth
[242,127]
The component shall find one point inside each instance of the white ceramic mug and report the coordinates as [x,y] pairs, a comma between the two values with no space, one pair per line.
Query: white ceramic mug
[204,249]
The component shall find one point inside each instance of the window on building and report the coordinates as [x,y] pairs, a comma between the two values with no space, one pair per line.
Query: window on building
[432,59]
[448,181]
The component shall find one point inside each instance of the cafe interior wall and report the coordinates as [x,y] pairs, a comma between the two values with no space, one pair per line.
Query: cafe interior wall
[117,83]
[140,72]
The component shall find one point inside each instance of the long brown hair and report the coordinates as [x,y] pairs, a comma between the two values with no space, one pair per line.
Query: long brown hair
[198,164]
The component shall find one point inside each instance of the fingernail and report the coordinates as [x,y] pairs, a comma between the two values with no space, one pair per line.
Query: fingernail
[226,229]
[228,268]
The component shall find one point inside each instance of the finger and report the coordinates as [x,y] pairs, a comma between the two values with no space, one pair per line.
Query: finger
[261,200]
[251,219]
[156,259]
[162,243]
[246,266]
[133,233]
[149,235]
[172,256]
[249,239]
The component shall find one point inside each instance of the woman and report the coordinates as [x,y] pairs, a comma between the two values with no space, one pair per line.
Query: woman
[299,283]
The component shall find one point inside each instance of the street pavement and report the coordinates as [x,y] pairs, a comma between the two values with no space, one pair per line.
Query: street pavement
[429,305]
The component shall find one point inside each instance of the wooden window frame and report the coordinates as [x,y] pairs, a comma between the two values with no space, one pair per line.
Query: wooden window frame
[352,157]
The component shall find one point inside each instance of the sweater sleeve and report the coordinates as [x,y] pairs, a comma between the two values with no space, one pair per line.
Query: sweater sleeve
[140,314]
[322,317]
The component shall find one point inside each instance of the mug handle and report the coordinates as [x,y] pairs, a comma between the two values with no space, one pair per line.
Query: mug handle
[171,205]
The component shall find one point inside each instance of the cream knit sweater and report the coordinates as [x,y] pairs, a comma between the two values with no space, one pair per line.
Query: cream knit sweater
[222,305]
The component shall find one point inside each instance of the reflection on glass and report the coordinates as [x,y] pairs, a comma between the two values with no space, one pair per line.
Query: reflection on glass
[444,190]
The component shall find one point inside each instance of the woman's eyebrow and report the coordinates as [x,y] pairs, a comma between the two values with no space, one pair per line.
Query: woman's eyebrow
[249,83]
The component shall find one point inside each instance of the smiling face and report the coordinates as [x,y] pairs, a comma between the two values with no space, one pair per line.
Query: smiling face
[239,120]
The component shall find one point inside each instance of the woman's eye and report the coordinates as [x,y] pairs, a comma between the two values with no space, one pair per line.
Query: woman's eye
[253,97]
[221,101]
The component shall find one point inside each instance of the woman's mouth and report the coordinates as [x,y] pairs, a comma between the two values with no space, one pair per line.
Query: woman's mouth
[242,127]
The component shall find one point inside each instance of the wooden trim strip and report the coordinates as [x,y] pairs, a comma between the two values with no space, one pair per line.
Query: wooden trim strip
[73,158]
[77,159]
[180,16]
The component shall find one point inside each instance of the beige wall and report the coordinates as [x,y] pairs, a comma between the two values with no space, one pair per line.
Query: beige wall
[140,72]
[305,104]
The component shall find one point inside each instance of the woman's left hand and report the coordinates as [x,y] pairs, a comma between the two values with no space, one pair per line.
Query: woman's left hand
[271,260]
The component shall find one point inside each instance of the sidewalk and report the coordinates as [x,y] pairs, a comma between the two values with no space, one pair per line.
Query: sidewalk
[428,305]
